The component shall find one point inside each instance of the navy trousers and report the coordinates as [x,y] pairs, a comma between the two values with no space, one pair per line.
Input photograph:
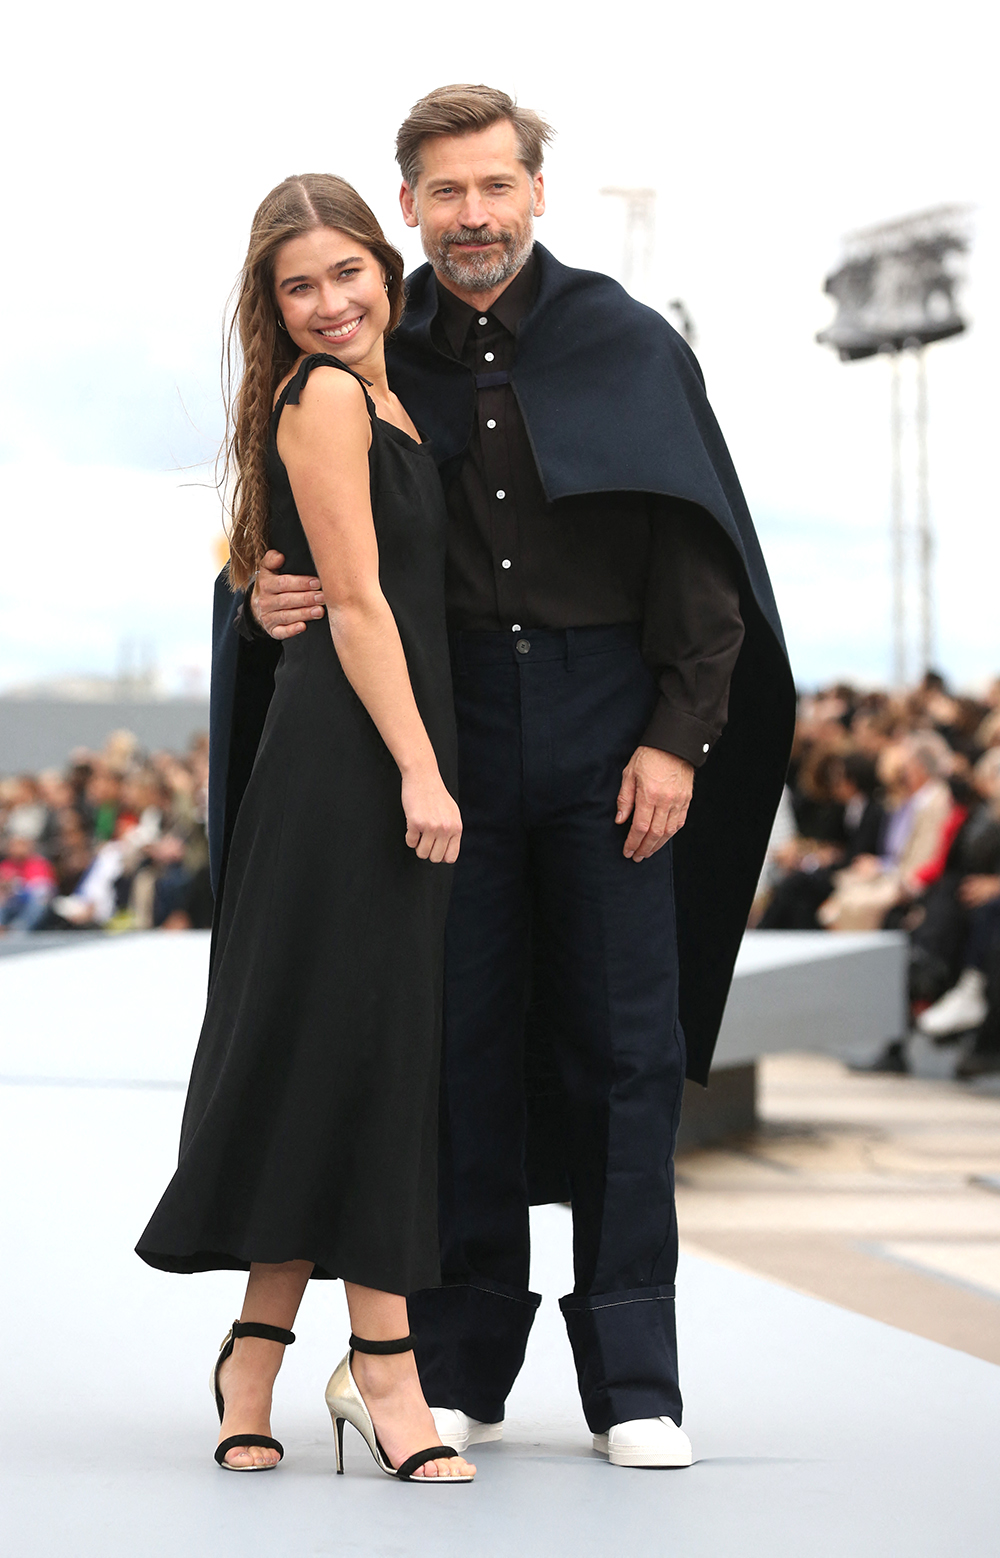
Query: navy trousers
[544,898]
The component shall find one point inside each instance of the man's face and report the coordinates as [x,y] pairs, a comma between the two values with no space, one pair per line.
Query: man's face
[915,775]
[475,204]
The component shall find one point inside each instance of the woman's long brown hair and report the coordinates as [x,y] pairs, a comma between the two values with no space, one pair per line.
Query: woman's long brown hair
[297,206]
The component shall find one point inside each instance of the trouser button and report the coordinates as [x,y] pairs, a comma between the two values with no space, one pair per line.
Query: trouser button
[522,646]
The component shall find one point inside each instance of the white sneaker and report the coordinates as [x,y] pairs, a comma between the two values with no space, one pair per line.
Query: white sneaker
[959,1009]
[646,1441]
[460,1430]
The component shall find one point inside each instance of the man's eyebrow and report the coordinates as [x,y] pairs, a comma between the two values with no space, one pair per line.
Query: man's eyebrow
[352,259]
[491,178]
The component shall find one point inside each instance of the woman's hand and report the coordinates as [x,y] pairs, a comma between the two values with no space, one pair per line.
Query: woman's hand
[433,820]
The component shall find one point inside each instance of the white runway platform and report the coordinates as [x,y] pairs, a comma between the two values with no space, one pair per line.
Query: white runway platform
[817,1432]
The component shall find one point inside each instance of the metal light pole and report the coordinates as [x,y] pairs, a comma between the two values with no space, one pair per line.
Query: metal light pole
[640,236]
[638,251]
[925,537]
[897,536]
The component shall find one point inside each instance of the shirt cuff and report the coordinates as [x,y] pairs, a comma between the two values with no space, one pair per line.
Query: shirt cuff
[671,730]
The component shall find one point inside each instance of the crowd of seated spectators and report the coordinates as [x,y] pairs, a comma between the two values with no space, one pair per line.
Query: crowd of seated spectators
[115,841]
[891,820]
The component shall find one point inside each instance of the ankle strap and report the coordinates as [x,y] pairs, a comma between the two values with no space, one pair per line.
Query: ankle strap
[267,1333]
[402,1344]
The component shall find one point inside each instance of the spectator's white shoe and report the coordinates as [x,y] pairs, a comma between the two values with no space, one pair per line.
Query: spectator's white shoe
[959,1009]
[646,1441]
[460,1430]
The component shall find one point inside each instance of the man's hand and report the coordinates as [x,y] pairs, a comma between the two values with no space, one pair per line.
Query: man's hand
[284,603]
[656,793]
[974,891]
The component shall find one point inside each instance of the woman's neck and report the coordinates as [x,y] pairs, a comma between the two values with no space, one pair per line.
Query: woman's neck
[372,368]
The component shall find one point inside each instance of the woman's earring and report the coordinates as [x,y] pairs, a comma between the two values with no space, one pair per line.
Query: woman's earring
[282,325]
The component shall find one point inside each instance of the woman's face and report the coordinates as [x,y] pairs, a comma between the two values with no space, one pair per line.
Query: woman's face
[331,294]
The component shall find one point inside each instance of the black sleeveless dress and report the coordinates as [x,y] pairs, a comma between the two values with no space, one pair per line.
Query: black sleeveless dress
[310,1129]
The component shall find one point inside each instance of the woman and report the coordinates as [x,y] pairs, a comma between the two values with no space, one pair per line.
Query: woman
[309,1142]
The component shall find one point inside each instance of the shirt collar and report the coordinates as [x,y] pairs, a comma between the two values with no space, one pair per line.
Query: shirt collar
[456,316]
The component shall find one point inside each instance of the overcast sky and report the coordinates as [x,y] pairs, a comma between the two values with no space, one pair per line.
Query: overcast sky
[139,142]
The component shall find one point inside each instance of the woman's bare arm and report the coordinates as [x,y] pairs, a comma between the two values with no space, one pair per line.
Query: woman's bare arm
[324,443]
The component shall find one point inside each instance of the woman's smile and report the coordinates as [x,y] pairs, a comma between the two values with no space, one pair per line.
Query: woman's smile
[342,332]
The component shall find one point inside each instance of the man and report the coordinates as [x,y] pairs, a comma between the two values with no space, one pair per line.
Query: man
[607,600]
[810,867]
[872,885]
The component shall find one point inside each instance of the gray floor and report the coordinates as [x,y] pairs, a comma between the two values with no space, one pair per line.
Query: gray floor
[817,1432]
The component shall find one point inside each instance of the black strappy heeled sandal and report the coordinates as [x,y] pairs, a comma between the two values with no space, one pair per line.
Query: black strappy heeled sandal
[347,1405]
[267,1333]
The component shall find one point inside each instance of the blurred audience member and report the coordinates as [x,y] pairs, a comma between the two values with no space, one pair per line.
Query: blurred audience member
[962,924]
[24,809]
[27,883]
[873,884]
[809,865]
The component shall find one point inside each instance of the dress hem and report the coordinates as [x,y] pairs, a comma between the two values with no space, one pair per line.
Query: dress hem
[323,1270]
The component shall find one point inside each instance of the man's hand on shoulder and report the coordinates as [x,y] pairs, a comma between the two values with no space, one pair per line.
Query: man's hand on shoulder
[284,603]
[656,793]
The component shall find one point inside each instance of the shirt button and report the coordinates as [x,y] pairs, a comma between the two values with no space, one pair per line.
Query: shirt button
[505,563]
[489,356]
[516,627]
[705,747]
[501,493]
[522,646]
[491,422]
[483,319]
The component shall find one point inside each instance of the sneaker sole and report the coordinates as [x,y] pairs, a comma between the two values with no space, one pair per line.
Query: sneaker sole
[637,1456]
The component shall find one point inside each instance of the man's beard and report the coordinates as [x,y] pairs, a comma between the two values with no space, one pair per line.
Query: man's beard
[482,272]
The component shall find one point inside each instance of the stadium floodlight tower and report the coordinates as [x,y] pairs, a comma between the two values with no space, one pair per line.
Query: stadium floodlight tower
[896,292]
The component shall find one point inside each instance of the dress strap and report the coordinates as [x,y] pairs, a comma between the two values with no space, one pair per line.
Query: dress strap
[293,389]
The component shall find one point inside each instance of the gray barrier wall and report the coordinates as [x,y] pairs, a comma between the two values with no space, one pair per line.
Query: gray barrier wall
[40,733]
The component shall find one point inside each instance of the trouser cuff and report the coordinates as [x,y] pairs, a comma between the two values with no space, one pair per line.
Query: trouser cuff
[625,1348]
[469,1339]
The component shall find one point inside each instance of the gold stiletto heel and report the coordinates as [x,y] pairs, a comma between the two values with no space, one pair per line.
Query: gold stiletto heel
[268,1333]
[347,1405]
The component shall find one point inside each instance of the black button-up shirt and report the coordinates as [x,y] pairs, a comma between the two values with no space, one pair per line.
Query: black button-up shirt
[516,561]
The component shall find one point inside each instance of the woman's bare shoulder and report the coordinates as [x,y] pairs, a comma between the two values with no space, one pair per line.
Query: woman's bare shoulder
[326,386]
[331,413]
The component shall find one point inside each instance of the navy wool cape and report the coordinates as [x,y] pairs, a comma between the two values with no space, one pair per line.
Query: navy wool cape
[614,401]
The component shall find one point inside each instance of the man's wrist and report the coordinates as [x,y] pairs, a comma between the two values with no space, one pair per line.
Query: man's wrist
[683,735]
[656,752]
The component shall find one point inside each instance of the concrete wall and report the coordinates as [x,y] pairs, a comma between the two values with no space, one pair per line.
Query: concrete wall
[41,732]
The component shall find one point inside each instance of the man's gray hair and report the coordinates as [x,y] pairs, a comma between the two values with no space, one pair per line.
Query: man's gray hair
[932,752]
